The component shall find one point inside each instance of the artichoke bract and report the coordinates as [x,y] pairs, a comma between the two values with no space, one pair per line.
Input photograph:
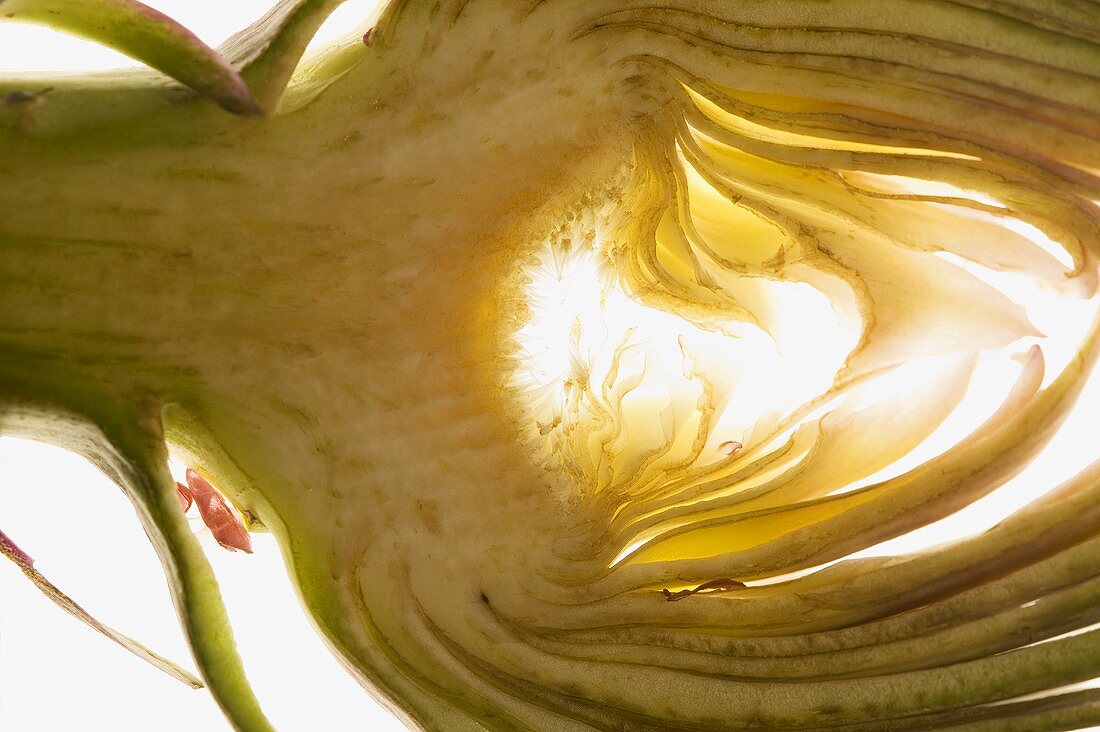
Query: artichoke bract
[558,343]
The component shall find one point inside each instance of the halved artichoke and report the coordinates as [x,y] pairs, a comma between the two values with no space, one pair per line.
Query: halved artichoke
[572,349]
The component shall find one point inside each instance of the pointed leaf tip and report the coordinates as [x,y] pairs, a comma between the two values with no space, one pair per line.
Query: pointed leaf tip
[12,551]
[184,497]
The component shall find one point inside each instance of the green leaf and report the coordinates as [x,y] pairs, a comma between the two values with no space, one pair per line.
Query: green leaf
[138,460]
[146,35]
[268,51]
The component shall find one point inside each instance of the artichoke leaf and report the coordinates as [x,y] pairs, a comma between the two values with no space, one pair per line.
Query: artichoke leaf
[146,35]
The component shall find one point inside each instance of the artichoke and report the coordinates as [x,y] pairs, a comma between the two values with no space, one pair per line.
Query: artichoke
[583,355]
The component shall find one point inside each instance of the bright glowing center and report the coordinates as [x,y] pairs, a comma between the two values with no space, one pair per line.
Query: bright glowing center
[618,390]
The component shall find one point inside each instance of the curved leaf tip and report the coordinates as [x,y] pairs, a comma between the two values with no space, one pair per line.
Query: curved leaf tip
[145,35]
